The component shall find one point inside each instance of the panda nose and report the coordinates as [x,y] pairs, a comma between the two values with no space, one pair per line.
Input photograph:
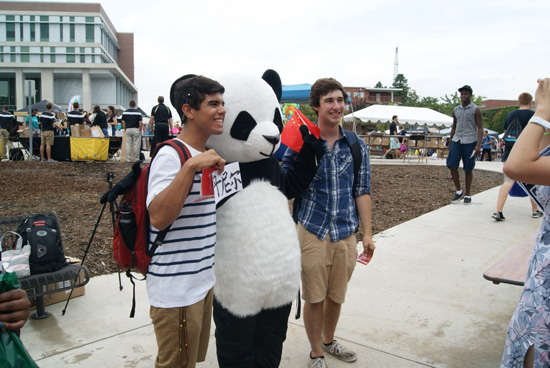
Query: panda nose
[273,139]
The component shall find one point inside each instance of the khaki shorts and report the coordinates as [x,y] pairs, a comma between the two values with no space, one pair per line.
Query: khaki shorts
[47,138]
[182,333]
[326,267]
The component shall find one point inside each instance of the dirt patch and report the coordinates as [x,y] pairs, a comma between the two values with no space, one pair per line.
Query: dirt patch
[73,189]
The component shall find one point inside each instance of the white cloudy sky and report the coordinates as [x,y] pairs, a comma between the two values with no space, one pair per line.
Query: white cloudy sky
[499,47]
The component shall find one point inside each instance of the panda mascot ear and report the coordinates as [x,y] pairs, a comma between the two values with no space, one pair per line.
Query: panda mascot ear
[173,90]
[272,78]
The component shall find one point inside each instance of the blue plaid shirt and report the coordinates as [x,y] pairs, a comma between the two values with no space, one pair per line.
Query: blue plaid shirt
[328,205]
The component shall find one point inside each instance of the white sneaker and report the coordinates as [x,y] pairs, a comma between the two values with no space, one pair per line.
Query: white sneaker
[339,351]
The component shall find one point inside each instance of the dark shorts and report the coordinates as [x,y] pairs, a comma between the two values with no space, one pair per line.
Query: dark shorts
[459,151]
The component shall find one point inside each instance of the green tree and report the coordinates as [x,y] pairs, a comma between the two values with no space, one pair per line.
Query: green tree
[401,82]
[379,85]
[309,112]
[414,99]
[449,102]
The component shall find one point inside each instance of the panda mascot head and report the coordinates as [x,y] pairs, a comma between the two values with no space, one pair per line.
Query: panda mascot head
[253,122]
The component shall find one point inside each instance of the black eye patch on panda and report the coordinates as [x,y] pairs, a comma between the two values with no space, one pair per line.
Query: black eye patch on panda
[278,120]
[243,125]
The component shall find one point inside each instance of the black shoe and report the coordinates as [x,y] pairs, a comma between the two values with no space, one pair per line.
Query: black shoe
[498,216]
[467,199]
[457,197]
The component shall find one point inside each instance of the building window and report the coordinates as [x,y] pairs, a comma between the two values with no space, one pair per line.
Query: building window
[25,54]
[10,31]
[44,32]
[61,32]
[82,55]
[12,52]
[71,29]
[89,33]
[7,91]
[33,33]
[70,55]
[52,54]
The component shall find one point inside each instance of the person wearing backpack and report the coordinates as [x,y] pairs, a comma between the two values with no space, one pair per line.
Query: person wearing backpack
[328,219]
[180,277]
[466,136]
[517,121]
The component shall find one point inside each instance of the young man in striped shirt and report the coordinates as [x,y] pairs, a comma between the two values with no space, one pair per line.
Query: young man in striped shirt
[180,278]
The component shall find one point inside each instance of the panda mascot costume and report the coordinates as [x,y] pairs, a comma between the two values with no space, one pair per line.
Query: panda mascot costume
[257,250]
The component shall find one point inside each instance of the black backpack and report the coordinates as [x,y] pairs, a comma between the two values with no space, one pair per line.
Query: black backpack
[513,131]
[42,232]
[357,160]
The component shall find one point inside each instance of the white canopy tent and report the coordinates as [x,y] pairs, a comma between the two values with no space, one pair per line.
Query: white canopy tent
[495,134]
[412,116]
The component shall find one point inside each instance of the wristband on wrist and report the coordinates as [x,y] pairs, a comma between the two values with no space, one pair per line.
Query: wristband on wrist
[540,121]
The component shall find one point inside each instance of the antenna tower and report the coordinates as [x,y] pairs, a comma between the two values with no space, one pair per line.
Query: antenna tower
[396,62]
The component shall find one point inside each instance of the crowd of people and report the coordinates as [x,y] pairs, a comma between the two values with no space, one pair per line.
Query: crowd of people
[50,124]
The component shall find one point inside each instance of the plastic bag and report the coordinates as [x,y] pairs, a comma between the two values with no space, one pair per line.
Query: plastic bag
[17,259]
[12,352]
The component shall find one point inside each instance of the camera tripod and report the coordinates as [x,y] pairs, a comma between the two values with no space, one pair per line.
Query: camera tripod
[112,205]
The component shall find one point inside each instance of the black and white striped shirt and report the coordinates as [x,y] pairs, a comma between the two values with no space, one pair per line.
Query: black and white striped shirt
[46,120]
[131,118]
[181,270]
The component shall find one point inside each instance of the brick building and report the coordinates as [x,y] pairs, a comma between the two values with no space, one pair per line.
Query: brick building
[371,96]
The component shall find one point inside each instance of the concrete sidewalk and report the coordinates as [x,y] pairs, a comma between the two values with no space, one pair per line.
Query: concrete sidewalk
[421,302]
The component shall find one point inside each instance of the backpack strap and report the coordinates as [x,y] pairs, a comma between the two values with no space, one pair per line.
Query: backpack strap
[355,148]
[184,156]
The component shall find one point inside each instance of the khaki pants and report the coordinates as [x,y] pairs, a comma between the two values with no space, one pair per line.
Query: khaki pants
[182,333]
[4,137]
[326,266]
[133,140]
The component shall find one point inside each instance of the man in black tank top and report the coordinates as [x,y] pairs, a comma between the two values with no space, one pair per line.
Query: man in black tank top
[160,123]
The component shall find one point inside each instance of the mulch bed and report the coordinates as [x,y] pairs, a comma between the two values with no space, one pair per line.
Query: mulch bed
[72,189]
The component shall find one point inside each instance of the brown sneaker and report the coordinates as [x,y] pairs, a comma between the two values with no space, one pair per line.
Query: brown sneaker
[339,351]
